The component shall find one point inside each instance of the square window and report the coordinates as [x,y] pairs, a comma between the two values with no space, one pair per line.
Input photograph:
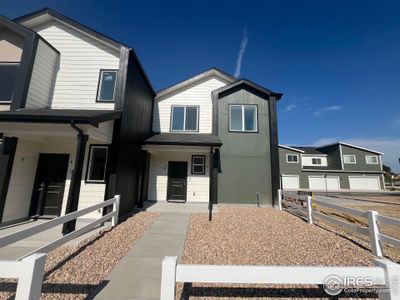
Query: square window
[371,159]
[292,158]
[107,86]
[317,161]
[184,118]
[349,159]
[243,118]
[97,162]
[198,164]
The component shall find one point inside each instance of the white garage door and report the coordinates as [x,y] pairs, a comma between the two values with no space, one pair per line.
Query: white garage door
[367,183]
[290,182]
[330,183]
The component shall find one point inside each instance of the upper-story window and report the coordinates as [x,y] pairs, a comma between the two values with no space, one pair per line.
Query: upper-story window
[349,159]
[106,89]
[185,118]
[371,159]
[243,118]
[316,161]
[292,158]
[8,76]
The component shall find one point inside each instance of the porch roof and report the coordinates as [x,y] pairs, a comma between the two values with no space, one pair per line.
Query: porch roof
[60,116]
[191,139]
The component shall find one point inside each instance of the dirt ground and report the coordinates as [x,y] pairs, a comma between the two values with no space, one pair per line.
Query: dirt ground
[263,236]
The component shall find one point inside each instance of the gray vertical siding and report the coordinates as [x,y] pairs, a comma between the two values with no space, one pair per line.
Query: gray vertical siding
[245,157]
[289,168]
[333,152]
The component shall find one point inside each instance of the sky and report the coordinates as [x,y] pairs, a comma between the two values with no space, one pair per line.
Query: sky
[337,62]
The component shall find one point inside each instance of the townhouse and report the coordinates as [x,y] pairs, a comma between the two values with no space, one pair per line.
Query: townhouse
[215,140]
[333,167]
[75,106]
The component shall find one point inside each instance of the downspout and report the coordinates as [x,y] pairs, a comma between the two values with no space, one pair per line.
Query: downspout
[76,178]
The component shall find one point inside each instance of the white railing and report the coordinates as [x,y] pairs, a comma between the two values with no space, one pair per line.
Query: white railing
[29,269]
[290,201]
[385,274]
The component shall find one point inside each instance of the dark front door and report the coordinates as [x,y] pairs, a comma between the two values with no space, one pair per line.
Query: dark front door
[177,177]
[49,185]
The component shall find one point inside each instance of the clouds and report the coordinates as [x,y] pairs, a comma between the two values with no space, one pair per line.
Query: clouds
[242,50]
[389,146]
[289,107]
[331,108]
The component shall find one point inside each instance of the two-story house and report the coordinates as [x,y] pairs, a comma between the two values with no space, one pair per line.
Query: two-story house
[215,139]
[333,167]
[75,106]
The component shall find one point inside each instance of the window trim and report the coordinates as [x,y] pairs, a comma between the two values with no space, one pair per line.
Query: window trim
[99,83]
[184,118]
[89,160]
[349,163]
[8,102]
[318,159]
[377,159]
[292,162]
[243,121]
[193,164]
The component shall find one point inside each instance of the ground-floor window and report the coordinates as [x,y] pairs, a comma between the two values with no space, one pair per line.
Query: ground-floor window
[96,170]
[198,164]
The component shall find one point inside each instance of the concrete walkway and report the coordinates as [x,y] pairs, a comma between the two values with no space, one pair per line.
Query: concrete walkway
[138,274]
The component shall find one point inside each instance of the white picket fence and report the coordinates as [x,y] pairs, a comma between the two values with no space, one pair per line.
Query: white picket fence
[291,201]
[385,274]
[29,269]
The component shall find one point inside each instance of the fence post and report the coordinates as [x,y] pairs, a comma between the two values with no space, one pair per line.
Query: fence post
[373,233]
[31,277]
[392,276]
[168,278]
[280,199]
[114,220]
[309,209]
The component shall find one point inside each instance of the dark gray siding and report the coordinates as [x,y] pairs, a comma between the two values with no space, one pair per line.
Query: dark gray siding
[130,132]
[361,164]
[289,168]
[245,157]
[333,152]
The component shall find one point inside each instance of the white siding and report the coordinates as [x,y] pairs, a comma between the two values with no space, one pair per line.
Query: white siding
[43,77]
[198,94]
[24,170]
[307,160]
[21,181]
[81,59]
[197,185]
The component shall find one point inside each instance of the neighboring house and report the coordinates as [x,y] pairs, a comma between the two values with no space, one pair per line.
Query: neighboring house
[332,167]
[215,139]
[72,121]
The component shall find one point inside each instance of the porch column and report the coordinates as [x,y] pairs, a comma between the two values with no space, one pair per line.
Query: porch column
[76,178]
[214,170]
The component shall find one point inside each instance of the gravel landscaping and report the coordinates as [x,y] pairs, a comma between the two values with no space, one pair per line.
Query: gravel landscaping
[75,272]
[263,236]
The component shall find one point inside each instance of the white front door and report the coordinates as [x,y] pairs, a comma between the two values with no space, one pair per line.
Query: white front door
[290,182]
[330,183]
[366,183]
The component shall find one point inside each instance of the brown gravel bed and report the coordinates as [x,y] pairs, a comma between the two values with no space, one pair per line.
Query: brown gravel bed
[263,236]
[73,272]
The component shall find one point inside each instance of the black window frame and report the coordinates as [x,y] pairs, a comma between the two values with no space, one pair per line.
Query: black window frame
[193,164]
[88,165]
[292,155]
[184,118]
[18,65]
[243,119]
[316,159]
[99,85]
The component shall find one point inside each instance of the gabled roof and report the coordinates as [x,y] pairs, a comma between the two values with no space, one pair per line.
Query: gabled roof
[290,148]
[251,84]
[44,14]
[209,73]
[310,150]
[352,146]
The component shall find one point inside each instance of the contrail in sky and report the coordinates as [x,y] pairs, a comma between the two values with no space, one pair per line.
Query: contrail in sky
[242,49]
